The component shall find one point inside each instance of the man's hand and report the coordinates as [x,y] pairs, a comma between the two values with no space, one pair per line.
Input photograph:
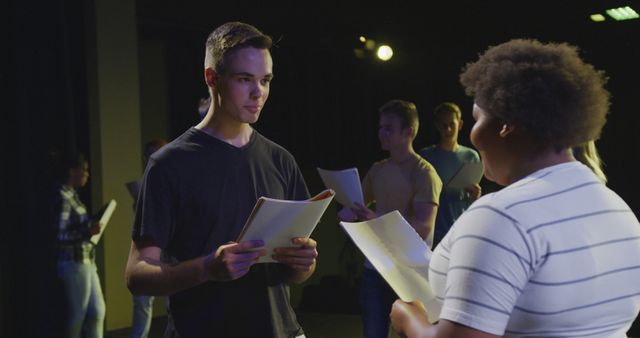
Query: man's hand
[347,215]
[301,258]
[232,261]
[474,191]
[409,319]
[363,212]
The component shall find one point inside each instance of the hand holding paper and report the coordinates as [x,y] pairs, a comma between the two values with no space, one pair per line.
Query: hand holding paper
[409,319]
[300,257]
[363,213]
[95,228]
[232,261]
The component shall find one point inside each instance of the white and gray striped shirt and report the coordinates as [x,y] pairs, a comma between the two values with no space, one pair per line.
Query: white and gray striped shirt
[556,254]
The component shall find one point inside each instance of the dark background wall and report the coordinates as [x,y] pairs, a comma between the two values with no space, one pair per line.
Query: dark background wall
[322,105]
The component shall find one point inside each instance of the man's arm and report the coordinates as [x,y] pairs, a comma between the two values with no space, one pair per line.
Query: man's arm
[424,219]
[410,320]
[146,274]
[301,258]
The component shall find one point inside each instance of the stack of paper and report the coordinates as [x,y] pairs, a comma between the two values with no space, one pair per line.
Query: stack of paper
[276,221]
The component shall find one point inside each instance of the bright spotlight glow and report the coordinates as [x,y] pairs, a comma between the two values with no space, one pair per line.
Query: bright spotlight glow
[384,53]
[362,39]
[597,17]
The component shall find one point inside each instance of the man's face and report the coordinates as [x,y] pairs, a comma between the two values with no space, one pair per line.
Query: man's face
[243,88]
[391,133]
[448,126]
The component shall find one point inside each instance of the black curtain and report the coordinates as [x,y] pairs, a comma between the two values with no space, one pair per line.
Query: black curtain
[43,107]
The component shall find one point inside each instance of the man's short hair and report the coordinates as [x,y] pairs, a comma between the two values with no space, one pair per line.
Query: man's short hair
[229,37]
[406,111]
[447,108]
[546,89]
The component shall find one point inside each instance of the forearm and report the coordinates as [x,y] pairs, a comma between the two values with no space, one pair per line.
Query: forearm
[424,218]
[422,227]
[146,276]
[299,277]
[413,326]
[446,329]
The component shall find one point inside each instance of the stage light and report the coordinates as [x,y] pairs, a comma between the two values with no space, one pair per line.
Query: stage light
[597,17]
[384,53]
[622,13]
[363,39]
[369,44]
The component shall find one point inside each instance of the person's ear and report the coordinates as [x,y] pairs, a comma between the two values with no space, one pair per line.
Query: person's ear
[409,132]
[507,129]
[460,125]
[210,77]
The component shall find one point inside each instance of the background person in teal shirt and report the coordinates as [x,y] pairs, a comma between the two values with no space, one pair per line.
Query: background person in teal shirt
[447,157]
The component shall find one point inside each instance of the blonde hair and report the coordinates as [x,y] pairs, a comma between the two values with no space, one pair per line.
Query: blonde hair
[587,153]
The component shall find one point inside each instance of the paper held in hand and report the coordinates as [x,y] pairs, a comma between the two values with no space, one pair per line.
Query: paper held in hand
[276,221]
[396,250]
[105,215]
[346,184]
[469,174]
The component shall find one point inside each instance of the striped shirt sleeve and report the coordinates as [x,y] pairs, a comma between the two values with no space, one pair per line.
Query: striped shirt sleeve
[490,264]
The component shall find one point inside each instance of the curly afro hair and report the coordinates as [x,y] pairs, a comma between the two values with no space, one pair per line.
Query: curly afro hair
[547,89]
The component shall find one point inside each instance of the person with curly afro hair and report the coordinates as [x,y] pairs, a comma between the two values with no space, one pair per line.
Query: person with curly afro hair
[555,253]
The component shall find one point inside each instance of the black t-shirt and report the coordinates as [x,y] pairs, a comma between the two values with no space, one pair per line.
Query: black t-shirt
[196,195]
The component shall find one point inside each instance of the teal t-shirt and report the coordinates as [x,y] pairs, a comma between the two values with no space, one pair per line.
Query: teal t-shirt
[453,202]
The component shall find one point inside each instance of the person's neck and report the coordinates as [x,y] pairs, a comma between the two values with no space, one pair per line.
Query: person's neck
[401,154]
[448,145]
[528,164]
[225,129]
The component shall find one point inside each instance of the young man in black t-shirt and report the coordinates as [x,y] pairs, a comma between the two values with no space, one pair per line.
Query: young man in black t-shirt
[196,195]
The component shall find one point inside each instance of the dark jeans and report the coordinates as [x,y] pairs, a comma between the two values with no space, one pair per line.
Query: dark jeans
[376,298]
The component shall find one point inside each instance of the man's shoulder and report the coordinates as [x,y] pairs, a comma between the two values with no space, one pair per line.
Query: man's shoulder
[466,150]
[428,151]
[380,164]
[428,172]
[425,166]
[269,146]
[187,145]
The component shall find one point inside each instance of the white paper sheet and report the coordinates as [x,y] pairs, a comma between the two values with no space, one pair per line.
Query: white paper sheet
[396,250]
[346,184]
[104,220]
[469,173]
